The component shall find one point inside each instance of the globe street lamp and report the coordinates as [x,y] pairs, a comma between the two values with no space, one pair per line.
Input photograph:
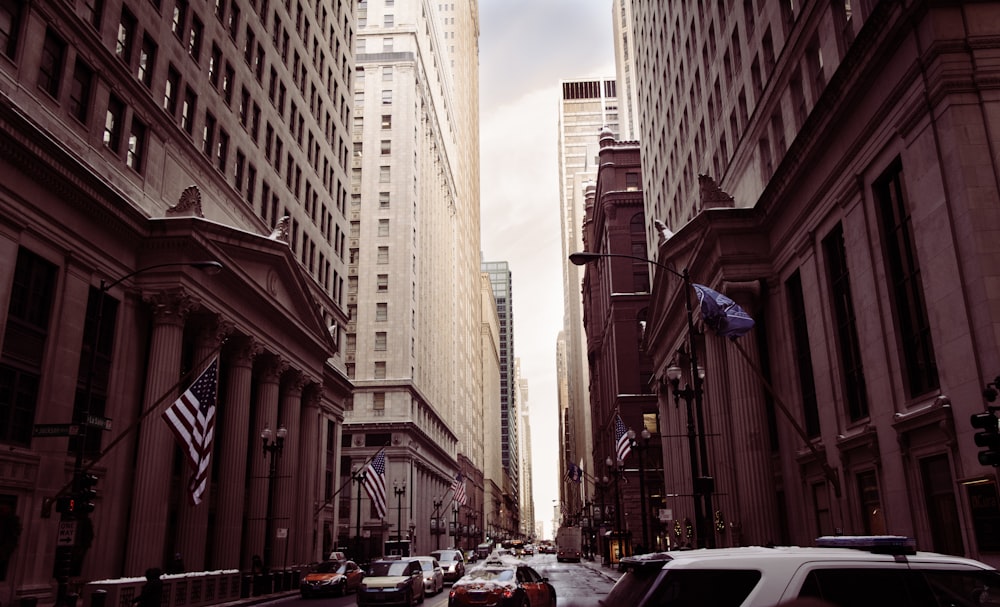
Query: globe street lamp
[702,482]
[615,468]
[436,526]
[272,448]
[644,505]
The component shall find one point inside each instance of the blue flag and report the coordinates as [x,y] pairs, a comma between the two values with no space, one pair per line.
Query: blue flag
[574,473]
[722,314]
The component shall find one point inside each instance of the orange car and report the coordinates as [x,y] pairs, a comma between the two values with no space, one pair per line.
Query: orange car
[332,577]
[502,583]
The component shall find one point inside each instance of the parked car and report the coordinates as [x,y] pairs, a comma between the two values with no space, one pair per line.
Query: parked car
[433,574]
[503,582]
[332,577]
[393,581]
[452,562]
[860,571]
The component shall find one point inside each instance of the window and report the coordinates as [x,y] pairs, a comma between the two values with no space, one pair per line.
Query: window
[378,398]
[381,312]
[383,227]
[113,124]
[631,181]
[871,504]
[234,20]
[194,44]
[179,18]
[126,36]
[913,329]
[939,495]
[51,63]
[222,154]
[383,255]
[387,74]
[383,174]
[227,83]
[238,170]
[387,97]
[171,89]
[31,296]
[147,60]
[208,134]
[383,200]
[386,147]
[848,346]
[380,341]
[80,88]
[386,121]
[214,65]
[388,21]
[188,109]
[382,283]
[802,354]
[135,154]
[10,26]
[380,371]
[387,45]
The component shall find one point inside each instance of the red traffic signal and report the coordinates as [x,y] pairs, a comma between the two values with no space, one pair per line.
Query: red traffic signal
[65,505]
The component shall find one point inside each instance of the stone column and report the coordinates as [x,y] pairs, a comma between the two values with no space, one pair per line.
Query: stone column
[311,456]
[265,415]
[753,479]
[286,483]
[147,531]
[233,449]
[192,520]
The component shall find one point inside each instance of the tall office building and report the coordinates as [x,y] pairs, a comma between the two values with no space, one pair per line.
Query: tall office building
[137,138]
[527,504]
[500,279]
[413,294]
[827,166]
[585,107]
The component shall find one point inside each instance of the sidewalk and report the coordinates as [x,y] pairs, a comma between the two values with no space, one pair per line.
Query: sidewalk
[609,571]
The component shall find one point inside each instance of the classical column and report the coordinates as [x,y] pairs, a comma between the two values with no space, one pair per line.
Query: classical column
[151,492]
[265,415]
[233,449]
[192,520]
[310,455]
[753,479]
[286,483]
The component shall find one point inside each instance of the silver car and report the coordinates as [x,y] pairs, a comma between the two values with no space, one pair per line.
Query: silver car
[433,574]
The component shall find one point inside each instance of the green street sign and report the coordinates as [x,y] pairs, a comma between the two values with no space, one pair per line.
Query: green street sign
[44,430]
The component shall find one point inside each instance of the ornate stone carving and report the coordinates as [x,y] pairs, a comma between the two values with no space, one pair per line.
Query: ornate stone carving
[171,306]
[189,203]
[281,229]
[712,196]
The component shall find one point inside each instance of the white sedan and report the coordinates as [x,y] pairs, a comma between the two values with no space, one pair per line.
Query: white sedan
[433,574]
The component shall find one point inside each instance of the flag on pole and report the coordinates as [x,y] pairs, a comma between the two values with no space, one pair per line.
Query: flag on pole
[574,473]
[458,486]
[721,314]
[192,420]
[375,482]
[623,442]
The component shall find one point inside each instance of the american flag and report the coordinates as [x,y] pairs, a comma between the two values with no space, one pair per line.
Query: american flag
[624,443]
[192,420]
[458,486]
[375,482]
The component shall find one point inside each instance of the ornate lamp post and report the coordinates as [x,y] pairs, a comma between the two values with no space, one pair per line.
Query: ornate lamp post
[273,449]
[615,470]
[399,491]
[358,476]
[643,504]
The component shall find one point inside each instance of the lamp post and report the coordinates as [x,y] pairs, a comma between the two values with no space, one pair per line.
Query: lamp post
[358,476]
[83,419]
[703,485]
[399,491]
[436,527]
[272,447]
[643,505]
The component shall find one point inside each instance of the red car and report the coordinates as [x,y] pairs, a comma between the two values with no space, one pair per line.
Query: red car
[332,577]
[502,583]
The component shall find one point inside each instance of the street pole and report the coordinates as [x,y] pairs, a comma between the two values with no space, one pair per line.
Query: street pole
[644,506]
[273,449]
[400,492]
[359,477]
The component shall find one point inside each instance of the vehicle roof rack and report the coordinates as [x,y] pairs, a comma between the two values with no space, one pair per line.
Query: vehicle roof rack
[876,544]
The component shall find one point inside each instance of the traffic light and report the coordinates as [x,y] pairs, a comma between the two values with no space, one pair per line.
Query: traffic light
[65,505]
[86,491]
[988,437]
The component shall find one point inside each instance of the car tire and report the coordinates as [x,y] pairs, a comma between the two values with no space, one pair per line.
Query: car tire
[341,589]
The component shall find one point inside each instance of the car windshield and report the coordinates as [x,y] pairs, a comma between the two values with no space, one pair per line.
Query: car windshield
[446,555]
[497,575]
[426,565]
[331,567]
[395,568]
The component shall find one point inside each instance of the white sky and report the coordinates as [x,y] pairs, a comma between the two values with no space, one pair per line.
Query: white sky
[526,48]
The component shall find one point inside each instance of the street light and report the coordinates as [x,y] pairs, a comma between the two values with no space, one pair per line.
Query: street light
[83,419]
[702,481]
[399,492]
[436,526]
[358,476]
[615,467]
[272,448]
[643,505]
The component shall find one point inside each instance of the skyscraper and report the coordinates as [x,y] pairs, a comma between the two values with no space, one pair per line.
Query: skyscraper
[413,346]
[585,107]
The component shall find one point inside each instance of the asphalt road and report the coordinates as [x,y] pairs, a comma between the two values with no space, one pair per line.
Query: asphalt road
[577,585]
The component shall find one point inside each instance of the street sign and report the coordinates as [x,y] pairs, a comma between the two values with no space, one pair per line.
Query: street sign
[282,533]
[666,514]
[96,421]
[56,430]
[67,533]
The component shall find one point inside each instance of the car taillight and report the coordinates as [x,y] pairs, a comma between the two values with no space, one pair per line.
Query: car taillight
[508,592]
